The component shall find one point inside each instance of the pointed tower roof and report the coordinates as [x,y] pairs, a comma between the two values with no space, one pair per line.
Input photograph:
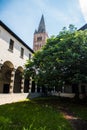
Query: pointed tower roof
[41,27]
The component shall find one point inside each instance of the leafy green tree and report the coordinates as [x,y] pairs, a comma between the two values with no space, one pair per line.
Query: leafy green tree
[63,60]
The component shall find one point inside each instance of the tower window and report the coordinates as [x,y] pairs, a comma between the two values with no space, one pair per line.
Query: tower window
[39,38]
[11,45]
[22,53]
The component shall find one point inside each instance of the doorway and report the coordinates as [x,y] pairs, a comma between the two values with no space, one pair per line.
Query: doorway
[75,88]
[6,88]
[83,89]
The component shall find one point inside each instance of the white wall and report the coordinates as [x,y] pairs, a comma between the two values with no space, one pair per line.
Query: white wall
[14,57]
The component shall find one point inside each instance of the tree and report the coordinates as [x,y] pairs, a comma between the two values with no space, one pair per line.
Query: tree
[63,60]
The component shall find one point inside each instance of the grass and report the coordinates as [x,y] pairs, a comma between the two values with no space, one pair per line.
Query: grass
[31,115]
[40,114]
[79,110]
[78,107]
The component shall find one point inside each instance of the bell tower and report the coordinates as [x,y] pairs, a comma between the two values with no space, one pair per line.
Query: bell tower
[40,36]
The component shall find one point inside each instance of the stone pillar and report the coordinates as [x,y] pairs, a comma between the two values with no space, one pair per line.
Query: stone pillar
[54,89]
[12,80]
[80,88]
[0,71]
[0,66]
[30,84]
[35,87]
[80,91]
[22,84]
[1,63]
[40,89]
[62,89]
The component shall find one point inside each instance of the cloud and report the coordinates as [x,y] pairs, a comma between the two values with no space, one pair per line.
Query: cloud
[23,17]
[55,12]
[58,16]
[83,5]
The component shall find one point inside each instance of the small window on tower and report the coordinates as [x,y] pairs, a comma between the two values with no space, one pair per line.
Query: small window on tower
[11,45]
[39,38]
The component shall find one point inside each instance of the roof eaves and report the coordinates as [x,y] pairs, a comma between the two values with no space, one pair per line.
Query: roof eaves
[14,35]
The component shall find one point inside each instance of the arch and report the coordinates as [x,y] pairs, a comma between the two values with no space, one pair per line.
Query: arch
[5,76]
[9,64]
[20,68]
[18,80]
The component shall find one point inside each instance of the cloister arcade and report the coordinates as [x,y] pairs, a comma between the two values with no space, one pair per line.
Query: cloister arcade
[12,79]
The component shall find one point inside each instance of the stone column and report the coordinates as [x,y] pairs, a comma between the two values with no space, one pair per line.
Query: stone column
[0,66]
[30,84]
[80,91]
[12,80]
[63,87]
[22,84]
[54,89]
[40,89]
[80,88]
[0,71]
[1,63]
[35,87]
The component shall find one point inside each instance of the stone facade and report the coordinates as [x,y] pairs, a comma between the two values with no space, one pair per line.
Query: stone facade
[13,55]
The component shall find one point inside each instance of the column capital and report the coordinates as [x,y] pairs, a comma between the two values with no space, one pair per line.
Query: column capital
[13,69]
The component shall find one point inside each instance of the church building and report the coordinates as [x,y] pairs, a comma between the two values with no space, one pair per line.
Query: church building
[40,36]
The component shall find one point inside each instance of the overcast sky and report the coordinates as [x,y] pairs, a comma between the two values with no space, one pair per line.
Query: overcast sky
[23,16]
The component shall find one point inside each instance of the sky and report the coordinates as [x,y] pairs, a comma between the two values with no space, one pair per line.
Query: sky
[23,16]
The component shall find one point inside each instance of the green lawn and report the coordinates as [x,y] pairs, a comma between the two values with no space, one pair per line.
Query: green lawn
[31,115]
[78,107]
[79,111]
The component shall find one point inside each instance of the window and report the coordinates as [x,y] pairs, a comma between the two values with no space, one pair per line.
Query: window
[22,53]
[39,38]
[11,45]
[29,56]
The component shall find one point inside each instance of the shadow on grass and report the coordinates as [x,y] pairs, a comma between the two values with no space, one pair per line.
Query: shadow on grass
[30,115]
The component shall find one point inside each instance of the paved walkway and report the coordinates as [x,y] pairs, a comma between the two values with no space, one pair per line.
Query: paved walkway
[9,98]
[76,123]
[15,97]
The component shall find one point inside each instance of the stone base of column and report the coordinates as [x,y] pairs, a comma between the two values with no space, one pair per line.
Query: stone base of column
[11,89]
[22,90]
[40,89]
[30,90]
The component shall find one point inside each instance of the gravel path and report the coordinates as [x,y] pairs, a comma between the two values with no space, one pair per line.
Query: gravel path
[76,123]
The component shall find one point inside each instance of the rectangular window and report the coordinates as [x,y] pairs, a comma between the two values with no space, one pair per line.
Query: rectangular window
[22,53]
[11,45]
[29,56]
